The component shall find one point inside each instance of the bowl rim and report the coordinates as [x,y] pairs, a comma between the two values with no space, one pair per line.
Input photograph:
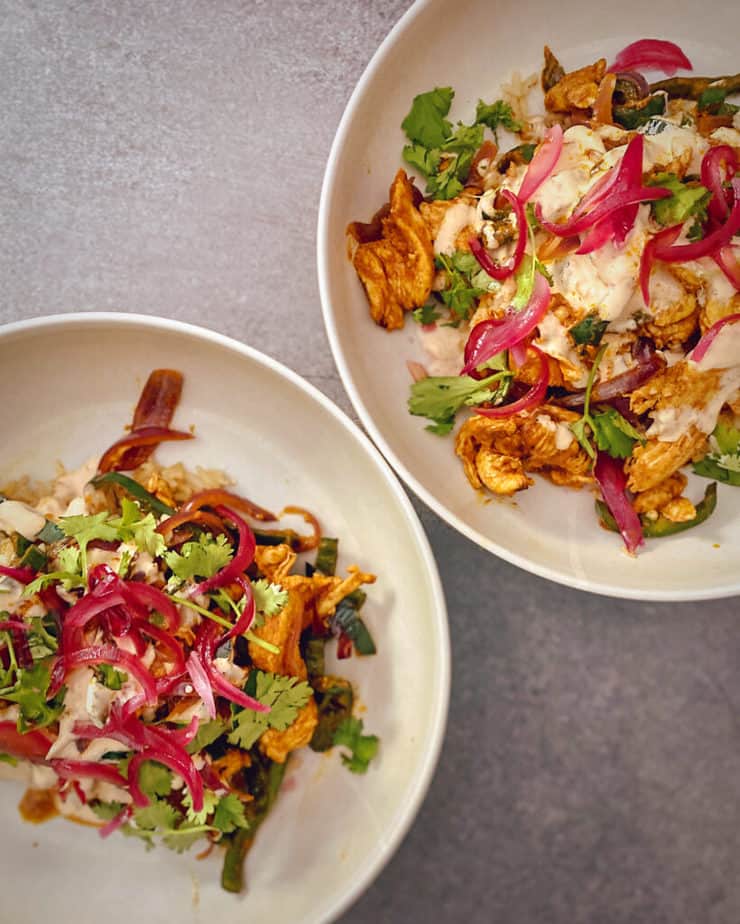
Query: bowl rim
[441,689]
[326,207]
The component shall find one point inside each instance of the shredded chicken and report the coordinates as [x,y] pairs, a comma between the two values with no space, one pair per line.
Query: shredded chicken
[397,271]
[497,453]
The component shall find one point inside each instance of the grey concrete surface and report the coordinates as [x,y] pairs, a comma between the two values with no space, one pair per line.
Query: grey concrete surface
[166,157]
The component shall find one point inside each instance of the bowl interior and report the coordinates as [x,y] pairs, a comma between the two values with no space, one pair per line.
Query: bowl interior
[73,383]
[550,531]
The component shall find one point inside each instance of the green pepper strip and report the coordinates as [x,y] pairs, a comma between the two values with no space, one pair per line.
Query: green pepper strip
[655,529]
[708,468]
[277,537]
[134,489]
[232,874]
[326,556]
[693,87]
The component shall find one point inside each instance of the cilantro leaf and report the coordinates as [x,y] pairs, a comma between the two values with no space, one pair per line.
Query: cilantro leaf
[614,434]
[497,114]
[685,201]
[269,599]
[67,578]
[184,837]
[141,530]
[440,397]
[427,314]
[83,529]
[207,733]
[284,695]
[461,294]
[229,814]
[209,804]
[200,558]
[422,159]
[106,811]
[363,748]
[8,759]
[159,814]
[610,431]
[110,677]
[154,779]
[588,331]
[425,123]
[30,692]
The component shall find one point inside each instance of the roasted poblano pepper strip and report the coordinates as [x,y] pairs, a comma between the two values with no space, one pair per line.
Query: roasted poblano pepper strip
[334,699]
[346,619]
[632,117]
[51,533]
[133,488]
[693,87]
[708,468]
[662,526]
[277,537]
[232,873]
[34,558]
[326,556]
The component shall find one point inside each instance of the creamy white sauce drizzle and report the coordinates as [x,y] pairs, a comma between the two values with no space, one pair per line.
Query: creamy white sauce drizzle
[457,217]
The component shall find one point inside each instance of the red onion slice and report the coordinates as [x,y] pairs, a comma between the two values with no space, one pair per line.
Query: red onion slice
[609,474]
[726,259]
[652,54]
[22,575]
[700,350]
[86,769]
[531,399]
[489,338]
[503,271]
[201,684]
[543,163]
[647,258]
[711,177]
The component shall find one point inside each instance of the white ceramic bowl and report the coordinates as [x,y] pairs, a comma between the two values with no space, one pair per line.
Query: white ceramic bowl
[70,385]
[473,47]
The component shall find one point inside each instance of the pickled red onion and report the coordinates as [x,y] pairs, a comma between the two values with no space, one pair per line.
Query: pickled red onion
[700,350]
[531,399]
[609,474]
[543,163]
[201,684]
[652,54]
[647,258]
[503,271]
[491,337]
[88,769]
[711,177]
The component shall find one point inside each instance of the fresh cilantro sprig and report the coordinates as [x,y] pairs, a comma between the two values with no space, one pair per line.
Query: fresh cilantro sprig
[607,428]
[30,693]
[495,115]
[363,748]
[439,398]
[284,695]
[443,155]
[84,529]
[589,330]
[428,313]
[139,529]
[200,558]
[269,599]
